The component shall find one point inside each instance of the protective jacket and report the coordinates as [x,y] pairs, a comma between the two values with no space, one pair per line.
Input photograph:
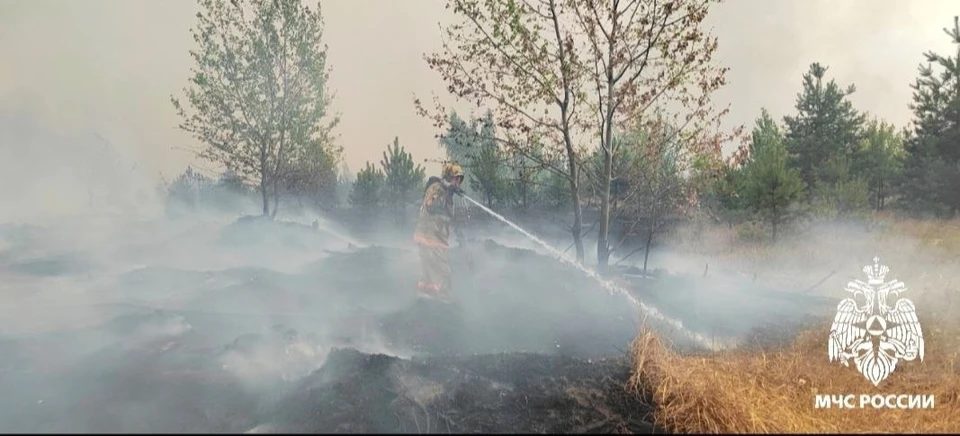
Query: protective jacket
[436,214]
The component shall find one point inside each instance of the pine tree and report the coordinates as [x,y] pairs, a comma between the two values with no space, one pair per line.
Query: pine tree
[825,127]
[366,192]
[932,169]
[770,186]
[404,179]
[459,140]
[880,159]
[486,170]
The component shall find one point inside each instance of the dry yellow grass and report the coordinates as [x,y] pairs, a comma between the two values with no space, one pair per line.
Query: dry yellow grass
[749,391]
[743,392]
[943,235]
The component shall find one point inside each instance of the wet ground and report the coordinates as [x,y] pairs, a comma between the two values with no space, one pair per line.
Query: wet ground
[341,344]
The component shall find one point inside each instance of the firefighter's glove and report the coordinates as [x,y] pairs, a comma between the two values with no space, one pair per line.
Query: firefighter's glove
[453,188]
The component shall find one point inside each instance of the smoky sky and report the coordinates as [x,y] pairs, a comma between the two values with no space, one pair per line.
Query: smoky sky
[108,67]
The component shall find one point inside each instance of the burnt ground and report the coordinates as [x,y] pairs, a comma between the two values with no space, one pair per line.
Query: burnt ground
[530,346]
[501,393]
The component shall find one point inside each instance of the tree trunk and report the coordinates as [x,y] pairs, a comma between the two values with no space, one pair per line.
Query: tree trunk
[265,197]
[264,181]
[775,221]
[880,193]
[603,231]
[606,140]
[276,204]
[646,253]
[577,229]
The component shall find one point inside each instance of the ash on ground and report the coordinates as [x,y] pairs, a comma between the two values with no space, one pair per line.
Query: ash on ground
[343,345]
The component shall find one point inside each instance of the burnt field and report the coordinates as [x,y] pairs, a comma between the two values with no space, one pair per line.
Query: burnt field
[336,341]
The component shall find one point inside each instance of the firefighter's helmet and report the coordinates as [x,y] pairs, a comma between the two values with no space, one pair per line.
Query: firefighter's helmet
[452,170]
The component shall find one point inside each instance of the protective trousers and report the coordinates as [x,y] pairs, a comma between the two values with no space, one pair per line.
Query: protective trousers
[436,271]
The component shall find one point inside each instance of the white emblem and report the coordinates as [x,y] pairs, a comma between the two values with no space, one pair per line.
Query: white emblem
[875,335]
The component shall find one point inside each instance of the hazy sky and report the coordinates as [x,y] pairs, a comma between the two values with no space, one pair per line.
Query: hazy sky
[109,66]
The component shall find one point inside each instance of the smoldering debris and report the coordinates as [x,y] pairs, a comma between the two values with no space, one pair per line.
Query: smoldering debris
[339,343]
[499,393]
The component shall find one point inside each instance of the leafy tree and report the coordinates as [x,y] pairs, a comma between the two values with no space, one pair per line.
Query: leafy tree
[880,158]
[556,192]
[769,185]
[932,167]
[230,194]
[525,177]
[404,179]
[723,196]
[518,59]
[486,164]
[258,88]
[230,181]
[641,57]
[459,139]
[187,191]
[480,152]
[712,179]
[367,189]
[825,127]
[311,175]
[840,190]
[594,168]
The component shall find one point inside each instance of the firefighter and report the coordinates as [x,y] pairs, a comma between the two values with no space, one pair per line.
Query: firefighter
[433,232]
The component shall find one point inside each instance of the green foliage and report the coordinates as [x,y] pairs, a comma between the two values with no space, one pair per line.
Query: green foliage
[193,192]
[185,193]
[826,125]
[367,188]
[258,90]
[486,169]
[312,175]
[724,195]
[632,87]
[769,186]
[403,178]
[626,151]
[459,139]
[649,193]
[516,58]
[932,168]
[257,101]
[840,192]
[526,177]
[879,159]
[655,185]
[475,146]
[556,191]
[233,183]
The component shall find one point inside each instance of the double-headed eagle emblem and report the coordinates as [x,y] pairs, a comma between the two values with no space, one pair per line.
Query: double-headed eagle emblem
[874,335]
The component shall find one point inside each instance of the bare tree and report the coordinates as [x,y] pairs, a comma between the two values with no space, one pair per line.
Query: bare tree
[656,188]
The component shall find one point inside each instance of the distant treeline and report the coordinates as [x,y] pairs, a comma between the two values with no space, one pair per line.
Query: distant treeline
[628,138]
